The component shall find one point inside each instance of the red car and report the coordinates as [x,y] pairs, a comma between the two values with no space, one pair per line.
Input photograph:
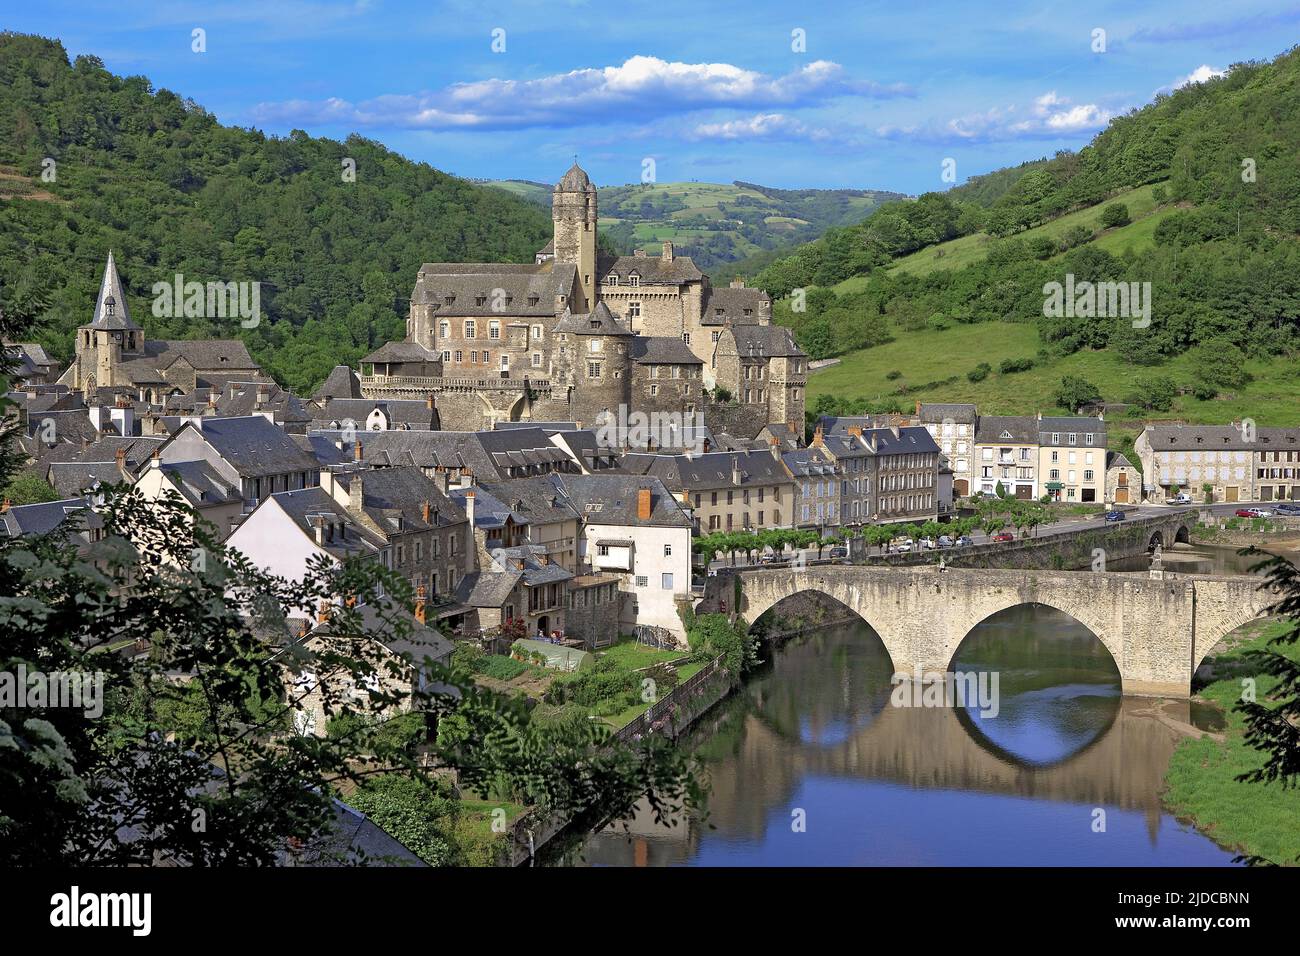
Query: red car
[1004,536]
[1244,513]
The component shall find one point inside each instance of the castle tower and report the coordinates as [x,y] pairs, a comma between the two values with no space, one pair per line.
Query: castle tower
[573,212]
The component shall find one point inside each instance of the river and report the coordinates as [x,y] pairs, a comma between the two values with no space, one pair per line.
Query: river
[810,764]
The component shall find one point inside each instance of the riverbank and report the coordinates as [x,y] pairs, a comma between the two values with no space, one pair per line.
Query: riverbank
[1201,782]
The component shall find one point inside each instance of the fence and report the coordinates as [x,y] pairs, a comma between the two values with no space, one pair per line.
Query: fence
[678,697]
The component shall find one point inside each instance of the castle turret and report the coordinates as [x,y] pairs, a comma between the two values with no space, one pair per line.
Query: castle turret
[573,213]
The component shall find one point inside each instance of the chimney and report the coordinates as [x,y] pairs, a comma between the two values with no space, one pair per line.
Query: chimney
[419,603]
[706,445]
[519,564]
[156,459]
[302,628]
[668,252]
[893,427]
[643,504]
[357,453]
[735,470]
[638,253]
[356,494]
[424,511]
[543,559]
[263,395]
[318,528]
[4,506]
[323,612]
[469,507]
[120,456]
[817,436]
[774,446]
[738,283]
[855,430]
[428,402]
[918,406]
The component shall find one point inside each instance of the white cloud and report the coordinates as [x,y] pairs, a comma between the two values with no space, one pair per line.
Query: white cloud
[759,126]
[1050,116]
[1199,75]
[641,88]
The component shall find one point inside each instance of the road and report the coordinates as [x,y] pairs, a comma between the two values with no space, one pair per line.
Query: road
[1074,523]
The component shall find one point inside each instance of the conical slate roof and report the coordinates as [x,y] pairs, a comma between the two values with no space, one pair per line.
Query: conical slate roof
[111,311]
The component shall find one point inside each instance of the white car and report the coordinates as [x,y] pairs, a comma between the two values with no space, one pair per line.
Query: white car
[902,547]
[1183,499]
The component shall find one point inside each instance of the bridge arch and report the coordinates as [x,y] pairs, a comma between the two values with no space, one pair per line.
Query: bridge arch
[1078,611]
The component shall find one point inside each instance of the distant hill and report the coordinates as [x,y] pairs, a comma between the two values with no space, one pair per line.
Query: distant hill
[1193,196]
[169,189]
[716,224]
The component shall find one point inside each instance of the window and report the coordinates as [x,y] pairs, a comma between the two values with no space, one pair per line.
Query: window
[537,360]
[471,329]
[480,299]
[473,357]
[460,356]
[593,370]
[494,329]
[666,581]
[1056,438]
[654,389]
[537,333]
[668,551]
[686,337]
[446,355]
[1074,439]
[444,329]
[634,280]
[602,550]
[642,581]
[634,310]
[487,357]
[534,299]
[595,345]
[505,361]
[611,279]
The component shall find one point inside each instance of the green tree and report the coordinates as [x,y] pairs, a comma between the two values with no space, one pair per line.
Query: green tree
[1114,214]
[1075,392]
[28,489]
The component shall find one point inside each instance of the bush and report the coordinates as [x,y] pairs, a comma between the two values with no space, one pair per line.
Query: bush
[500,667]
[1115,214]
[893,375]
[1010,366]
[979,372]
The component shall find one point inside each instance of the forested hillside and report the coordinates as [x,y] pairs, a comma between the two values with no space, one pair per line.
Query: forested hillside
[1198,193]
[169,189]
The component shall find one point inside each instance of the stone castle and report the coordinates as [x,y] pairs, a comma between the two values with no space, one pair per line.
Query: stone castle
[575,335]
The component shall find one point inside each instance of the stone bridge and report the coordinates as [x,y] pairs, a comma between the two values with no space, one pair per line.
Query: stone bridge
[1157,626]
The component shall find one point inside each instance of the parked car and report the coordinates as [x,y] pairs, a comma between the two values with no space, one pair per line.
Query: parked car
[839,552]
[1253,513]
[1183,499]
[1115,516]
[945,541]
[902,547]
[1288,509]
[1004,536]
[927,544]
[770,558]
[963,542]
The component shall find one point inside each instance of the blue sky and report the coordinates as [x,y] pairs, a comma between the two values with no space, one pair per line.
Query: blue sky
[853,94]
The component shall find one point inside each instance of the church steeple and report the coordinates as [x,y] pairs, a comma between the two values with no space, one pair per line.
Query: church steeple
[111,313]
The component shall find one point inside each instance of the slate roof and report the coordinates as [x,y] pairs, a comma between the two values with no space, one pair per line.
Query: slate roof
[46,516]
[410,412]
[490,512]
[1021,428]
[111,312]
[466,283]
[394,498]
[960,413]
[1116,459]
[612,499]
[255,447]
[662,350]
[537,500]
[241,398]
[1079,424]
[201,484]
[728,305]
[653,270]
[759,341]
[491,587]
[71,478]
[392,352]
[600,321]
[809,463]
[575,180]
[341,382]
[911,439]
[1220,437]
[310,507]
[709,471]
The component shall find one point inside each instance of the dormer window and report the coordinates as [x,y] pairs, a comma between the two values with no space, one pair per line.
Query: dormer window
[109,305]
[611,279]
[633,280]
[480,300]
[449,300]
[533,299]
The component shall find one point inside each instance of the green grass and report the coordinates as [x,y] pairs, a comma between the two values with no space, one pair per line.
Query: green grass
[626,716]
[628,653]
[962,251]
[932,355]
[1261,820]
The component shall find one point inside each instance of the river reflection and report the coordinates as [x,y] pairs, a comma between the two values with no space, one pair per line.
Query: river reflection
[812,737]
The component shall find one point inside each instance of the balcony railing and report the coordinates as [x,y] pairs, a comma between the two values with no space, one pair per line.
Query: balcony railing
[443,383]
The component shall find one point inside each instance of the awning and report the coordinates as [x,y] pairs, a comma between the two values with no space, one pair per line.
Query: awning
[1054,486]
